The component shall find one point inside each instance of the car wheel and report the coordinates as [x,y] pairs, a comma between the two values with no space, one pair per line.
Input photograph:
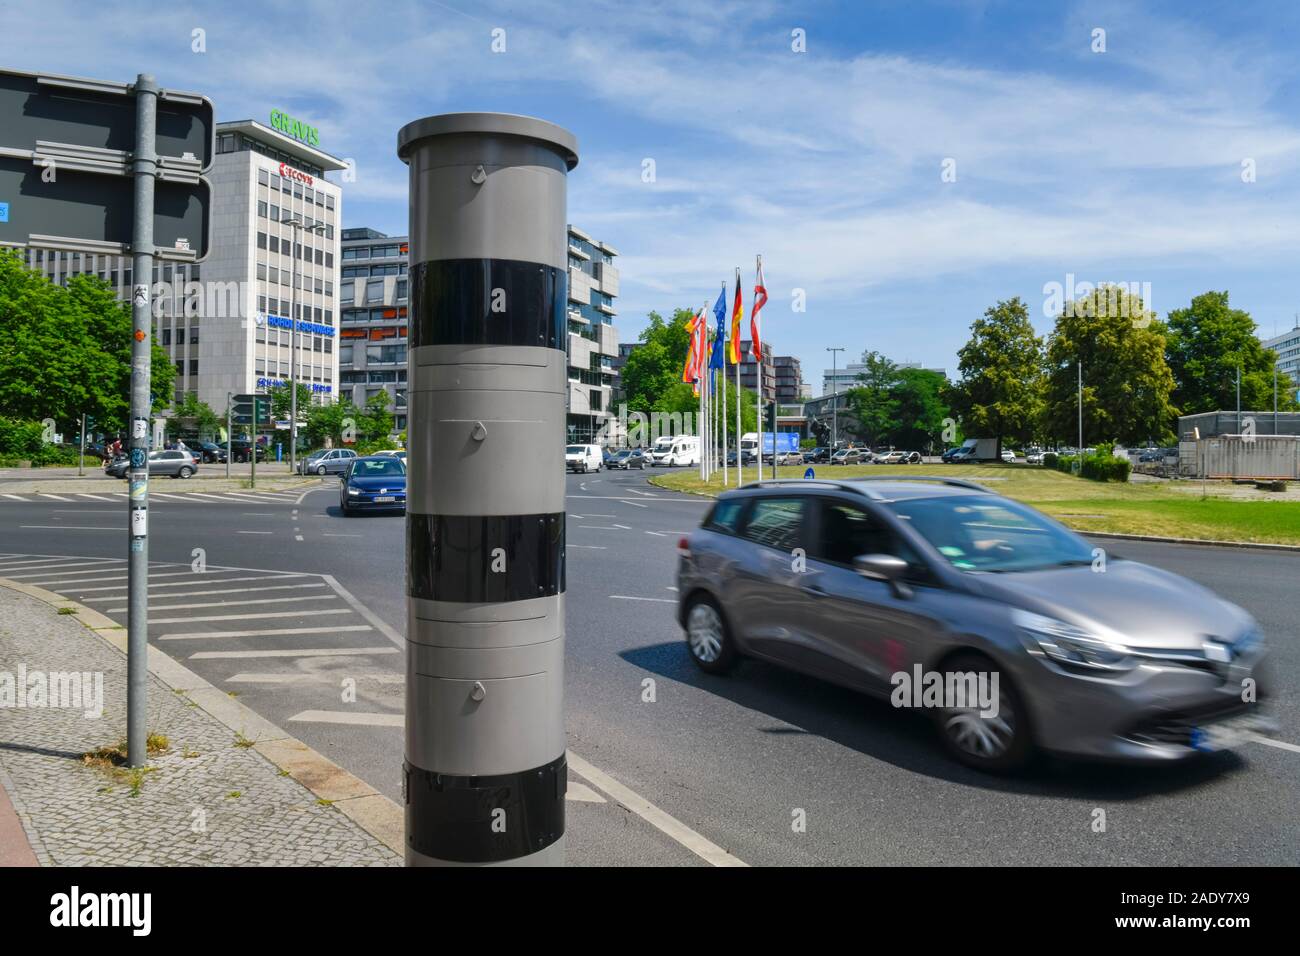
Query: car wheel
[994,744]
[343,507]
[708,638]
[185,472]
[320,470]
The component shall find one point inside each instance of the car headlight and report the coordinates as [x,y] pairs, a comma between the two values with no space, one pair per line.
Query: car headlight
[1072,646]
[353,491]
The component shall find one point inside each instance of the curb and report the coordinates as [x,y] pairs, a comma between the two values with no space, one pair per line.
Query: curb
[1208,542]
[350,795]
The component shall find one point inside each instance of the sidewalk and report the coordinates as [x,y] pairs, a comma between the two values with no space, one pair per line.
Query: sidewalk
[229,790]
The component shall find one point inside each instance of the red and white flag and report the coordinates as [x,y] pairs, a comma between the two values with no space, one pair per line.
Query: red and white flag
[760,299]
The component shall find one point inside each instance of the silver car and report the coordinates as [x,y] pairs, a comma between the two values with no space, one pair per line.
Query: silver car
[1028,637]
[327,461]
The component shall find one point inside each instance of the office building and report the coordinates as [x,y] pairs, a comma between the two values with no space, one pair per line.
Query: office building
[1287,347]
[373,300]
[593,343]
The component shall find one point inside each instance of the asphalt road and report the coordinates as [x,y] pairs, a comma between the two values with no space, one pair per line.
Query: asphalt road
[737,759]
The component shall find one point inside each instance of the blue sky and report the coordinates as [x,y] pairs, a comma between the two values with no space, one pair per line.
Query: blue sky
[1124,165]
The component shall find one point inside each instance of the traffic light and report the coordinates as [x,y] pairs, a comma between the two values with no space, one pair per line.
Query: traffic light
[251,410]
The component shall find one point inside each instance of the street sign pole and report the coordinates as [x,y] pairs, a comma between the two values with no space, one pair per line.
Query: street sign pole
[485,770]
[81,456]
[230,430]
[144,166]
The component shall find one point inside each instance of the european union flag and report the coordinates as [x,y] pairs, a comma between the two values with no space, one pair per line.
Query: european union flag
[716,360]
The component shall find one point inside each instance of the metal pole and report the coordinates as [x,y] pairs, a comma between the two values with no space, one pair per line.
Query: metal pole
[740,452]
[144,167]
[81,455]
[485,769]
[1079,457]
[758,381]
[230,429]
[293,352]
[722,415]
[835,400]
[1238,399]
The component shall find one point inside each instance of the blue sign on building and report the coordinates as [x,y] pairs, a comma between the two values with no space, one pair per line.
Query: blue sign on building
[282,322]
[4,212]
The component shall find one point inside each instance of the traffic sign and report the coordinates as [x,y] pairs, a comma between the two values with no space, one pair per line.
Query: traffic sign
[251,409]
[67,166]
[48,110]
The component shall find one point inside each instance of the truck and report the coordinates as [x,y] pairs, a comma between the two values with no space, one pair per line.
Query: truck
[782,442]
[976,449]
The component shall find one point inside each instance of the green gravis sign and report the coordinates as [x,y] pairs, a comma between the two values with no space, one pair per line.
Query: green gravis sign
[296,128]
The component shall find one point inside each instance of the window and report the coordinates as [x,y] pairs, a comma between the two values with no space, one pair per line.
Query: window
[263,177]
[345,354]
[374,290]
[848,531]
[275,245]
[777,522]
[167,337]
[194,335]
[261,240]
[725,516]
[194,366]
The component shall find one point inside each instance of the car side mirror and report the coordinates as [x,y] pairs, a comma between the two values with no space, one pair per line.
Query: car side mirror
[884,567]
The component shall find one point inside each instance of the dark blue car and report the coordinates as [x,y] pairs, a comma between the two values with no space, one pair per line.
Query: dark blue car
[373,483]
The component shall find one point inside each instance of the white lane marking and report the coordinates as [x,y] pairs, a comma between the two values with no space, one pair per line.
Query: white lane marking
[581,793]
[46,494]
[379,623]
[657,534]
[69,527]
[625,500]
[256,532]
[51,564]
[297,537]
[236,603]
[256,514]
[348,717]
[587,547]
[622,526]
[634,504]
[644,494]
[629,597]
[278,587]
[670,589]
[334,534]
[664,822]
[185,584]
[600,527]
[83,494]
[1279,744]
[16,498]
[261,678]
[597,516]
[272,632]
[72,577]
[248,617]
[303,652]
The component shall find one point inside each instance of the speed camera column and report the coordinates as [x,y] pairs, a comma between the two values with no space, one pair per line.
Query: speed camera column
[485,771]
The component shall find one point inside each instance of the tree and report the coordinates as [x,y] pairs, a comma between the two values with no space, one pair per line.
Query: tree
[66,351]
[375,422]
[1205,344]
[193,416]
[281,396]
[656,364]
[1000,391]
[920,409]
[327,422]
[872,401]
[1126,381]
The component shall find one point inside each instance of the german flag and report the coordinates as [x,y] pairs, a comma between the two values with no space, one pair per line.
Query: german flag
[737,313]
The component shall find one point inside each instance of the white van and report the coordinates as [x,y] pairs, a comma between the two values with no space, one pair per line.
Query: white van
[676,450]
[583,458]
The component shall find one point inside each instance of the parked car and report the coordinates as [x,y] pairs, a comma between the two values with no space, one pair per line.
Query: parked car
[851,456]
[327,461]
[905,578]
[373,483]
[819,454]
[1034,458]
[583,458]
[209,452]
[1008,456]
[948,455]
[789,458]
[242,450]
[172,463]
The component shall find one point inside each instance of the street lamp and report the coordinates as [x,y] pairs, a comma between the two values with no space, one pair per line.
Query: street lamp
[296,226]
[835,400]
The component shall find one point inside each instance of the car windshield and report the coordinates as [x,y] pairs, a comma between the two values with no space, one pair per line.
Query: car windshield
[377,468]
[576,450]
[986,533]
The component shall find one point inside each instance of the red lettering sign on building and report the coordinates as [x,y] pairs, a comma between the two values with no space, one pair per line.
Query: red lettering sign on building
[288,172]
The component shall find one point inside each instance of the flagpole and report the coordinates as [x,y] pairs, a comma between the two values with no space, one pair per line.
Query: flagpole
[722,414]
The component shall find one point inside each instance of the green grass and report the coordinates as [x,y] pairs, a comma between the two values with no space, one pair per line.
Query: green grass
[1166,509]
